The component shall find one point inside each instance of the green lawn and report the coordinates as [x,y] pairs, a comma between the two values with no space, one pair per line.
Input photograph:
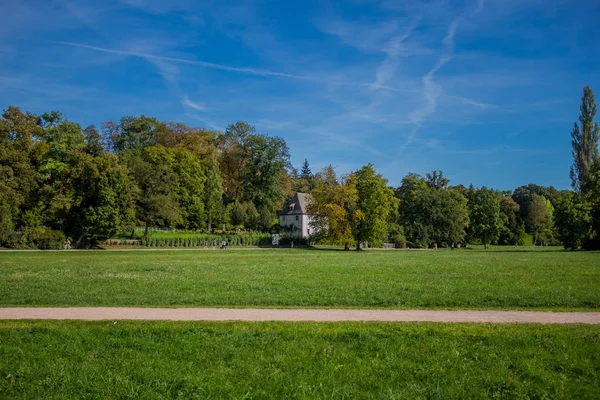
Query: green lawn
[506,278]
[297,360]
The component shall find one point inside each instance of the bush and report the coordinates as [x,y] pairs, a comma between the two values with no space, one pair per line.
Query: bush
[399,241]
[42,238]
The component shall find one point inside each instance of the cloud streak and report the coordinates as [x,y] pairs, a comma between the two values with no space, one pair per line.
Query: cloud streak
[187,102]
[387,68]
[222,67]
[242,70]
[431,90]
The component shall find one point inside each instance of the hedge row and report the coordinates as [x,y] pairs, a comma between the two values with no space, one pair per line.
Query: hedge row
[208,240]
[251,239]
[41,238]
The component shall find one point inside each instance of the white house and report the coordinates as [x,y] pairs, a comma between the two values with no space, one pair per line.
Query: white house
[295,215]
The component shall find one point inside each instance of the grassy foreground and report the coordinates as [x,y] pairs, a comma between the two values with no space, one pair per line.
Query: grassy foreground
[297,360]
[304,278]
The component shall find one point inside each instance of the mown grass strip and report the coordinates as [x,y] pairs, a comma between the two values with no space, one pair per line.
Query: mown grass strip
[469,279]
[297,360]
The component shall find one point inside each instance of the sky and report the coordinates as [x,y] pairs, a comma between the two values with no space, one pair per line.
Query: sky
[485,90]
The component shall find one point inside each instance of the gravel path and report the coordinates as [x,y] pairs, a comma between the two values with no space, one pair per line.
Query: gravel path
[322,315]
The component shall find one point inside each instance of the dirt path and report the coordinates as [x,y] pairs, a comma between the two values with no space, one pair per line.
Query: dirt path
[322,315]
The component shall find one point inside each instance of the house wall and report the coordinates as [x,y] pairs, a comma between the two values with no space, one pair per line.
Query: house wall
[306,228]
[299,221]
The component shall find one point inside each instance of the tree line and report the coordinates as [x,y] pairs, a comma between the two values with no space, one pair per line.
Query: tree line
[60,180]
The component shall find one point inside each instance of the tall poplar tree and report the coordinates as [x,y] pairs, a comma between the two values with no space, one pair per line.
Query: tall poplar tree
[585,143]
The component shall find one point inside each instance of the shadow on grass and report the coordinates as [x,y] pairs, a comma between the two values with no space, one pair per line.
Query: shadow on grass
[303,247]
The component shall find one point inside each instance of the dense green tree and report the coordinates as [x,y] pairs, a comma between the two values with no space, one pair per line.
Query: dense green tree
[573,220]
[523,196]
[20,152]
[237,214]
[513,228]
[213,192]
[449,216]
[374,202]
[132,133]
[254,169]
[187,181]
[157,202]
[430,212]
[268,158]
[585,138]
[414,200]
[235,158]
[484,215]
[62,138]
[267,219]
[93,141]
[437,180]
[102,198]
[540,219]
[593,198]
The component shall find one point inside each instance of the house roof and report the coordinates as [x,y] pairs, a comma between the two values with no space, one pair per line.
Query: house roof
[297,205]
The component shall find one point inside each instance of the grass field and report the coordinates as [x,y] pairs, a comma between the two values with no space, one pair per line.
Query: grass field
[469,279]
[297,360]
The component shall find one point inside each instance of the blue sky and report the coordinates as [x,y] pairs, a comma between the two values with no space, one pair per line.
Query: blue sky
[485,90]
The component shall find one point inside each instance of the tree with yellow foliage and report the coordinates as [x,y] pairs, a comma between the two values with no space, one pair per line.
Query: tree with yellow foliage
[353,208]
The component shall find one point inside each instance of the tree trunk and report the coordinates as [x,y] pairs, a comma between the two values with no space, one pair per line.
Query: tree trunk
[146,230]
[209,224]
[133,234]
[346,246]
[358,245]
[78,243]
[485,241]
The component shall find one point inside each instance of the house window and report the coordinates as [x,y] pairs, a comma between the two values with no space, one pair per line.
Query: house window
[296,218]
[308,231]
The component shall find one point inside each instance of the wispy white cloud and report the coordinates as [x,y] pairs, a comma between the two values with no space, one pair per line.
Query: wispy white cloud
[185,100]
[476,104]
[387,68]
[341,140]
[243,70]
[210,123]
[432,90]
[364,35]
[250,71]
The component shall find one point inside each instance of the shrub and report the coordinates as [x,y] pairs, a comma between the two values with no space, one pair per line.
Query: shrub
[42,238]
[399,241]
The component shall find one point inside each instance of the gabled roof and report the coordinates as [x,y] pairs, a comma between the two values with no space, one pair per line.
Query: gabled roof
[297,205]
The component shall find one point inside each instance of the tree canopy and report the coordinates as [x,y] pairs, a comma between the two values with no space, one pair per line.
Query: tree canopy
[60,181]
